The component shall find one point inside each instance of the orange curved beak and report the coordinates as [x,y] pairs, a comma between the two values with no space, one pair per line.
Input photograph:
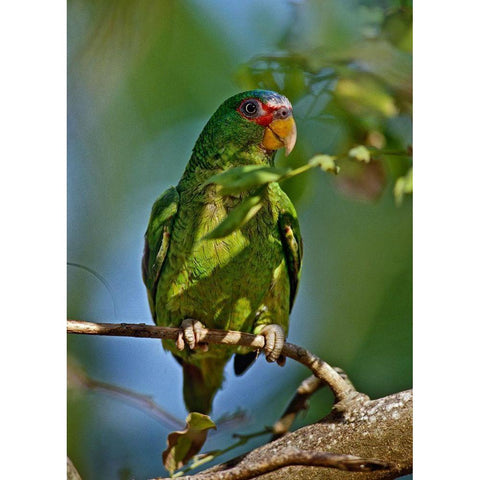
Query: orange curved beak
[281,132]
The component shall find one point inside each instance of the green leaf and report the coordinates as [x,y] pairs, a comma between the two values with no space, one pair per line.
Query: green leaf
[403,185]
[364,95]
[185,444]
[244,178]
[247,177]
[325,162]
[237,218]
[360,153]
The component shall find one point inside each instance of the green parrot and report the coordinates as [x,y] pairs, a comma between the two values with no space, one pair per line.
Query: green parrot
[245,281]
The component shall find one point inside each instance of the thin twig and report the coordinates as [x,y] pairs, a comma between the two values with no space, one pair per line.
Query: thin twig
[200,460]
[291,457]
[341,389]
[77,377]
[300,402]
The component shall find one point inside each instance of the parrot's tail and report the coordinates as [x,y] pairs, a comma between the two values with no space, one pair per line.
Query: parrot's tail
[201,384]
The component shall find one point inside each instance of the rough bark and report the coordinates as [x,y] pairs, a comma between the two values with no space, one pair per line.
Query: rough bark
[379,429]
[376,432]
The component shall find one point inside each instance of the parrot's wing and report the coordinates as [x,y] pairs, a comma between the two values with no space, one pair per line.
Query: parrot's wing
[293,251]
[157,240]
[291,241]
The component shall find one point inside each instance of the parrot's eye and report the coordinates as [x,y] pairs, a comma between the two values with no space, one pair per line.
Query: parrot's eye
[250,108]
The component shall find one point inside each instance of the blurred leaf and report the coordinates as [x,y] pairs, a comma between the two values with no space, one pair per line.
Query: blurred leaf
[382,59]
[348,66]
[241,179]
[362,181]
[397,29]
[325,162]
[185,444]
[375,139]
[364,95]
[360,153]
[333,23]
[403,185]
[245,77]
[237,217]
[294,83]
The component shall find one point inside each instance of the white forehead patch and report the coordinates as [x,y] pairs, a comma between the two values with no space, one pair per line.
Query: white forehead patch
[277,101]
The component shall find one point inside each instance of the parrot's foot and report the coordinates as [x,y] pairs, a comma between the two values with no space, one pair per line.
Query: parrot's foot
[190,333]
[274,341]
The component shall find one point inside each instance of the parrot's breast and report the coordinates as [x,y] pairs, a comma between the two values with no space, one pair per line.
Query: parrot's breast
[224,283]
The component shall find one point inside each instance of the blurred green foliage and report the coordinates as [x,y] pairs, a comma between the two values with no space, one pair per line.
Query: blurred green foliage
[143,78]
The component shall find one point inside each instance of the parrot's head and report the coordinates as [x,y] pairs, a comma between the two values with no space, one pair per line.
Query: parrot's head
[259,118]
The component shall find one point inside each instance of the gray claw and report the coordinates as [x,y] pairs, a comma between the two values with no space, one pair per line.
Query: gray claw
[191,334]
[274,341]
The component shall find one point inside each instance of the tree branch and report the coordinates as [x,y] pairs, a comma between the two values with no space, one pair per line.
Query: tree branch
[342,390]
[360,428]
[288,457]
[370,428]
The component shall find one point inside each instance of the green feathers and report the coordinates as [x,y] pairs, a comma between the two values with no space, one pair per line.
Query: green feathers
[243,280]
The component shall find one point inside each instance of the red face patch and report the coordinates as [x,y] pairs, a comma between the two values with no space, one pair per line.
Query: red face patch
[256,111]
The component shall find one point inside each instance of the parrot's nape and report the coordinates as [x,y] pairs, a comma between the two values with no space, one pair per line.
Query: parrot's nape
[245,281]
